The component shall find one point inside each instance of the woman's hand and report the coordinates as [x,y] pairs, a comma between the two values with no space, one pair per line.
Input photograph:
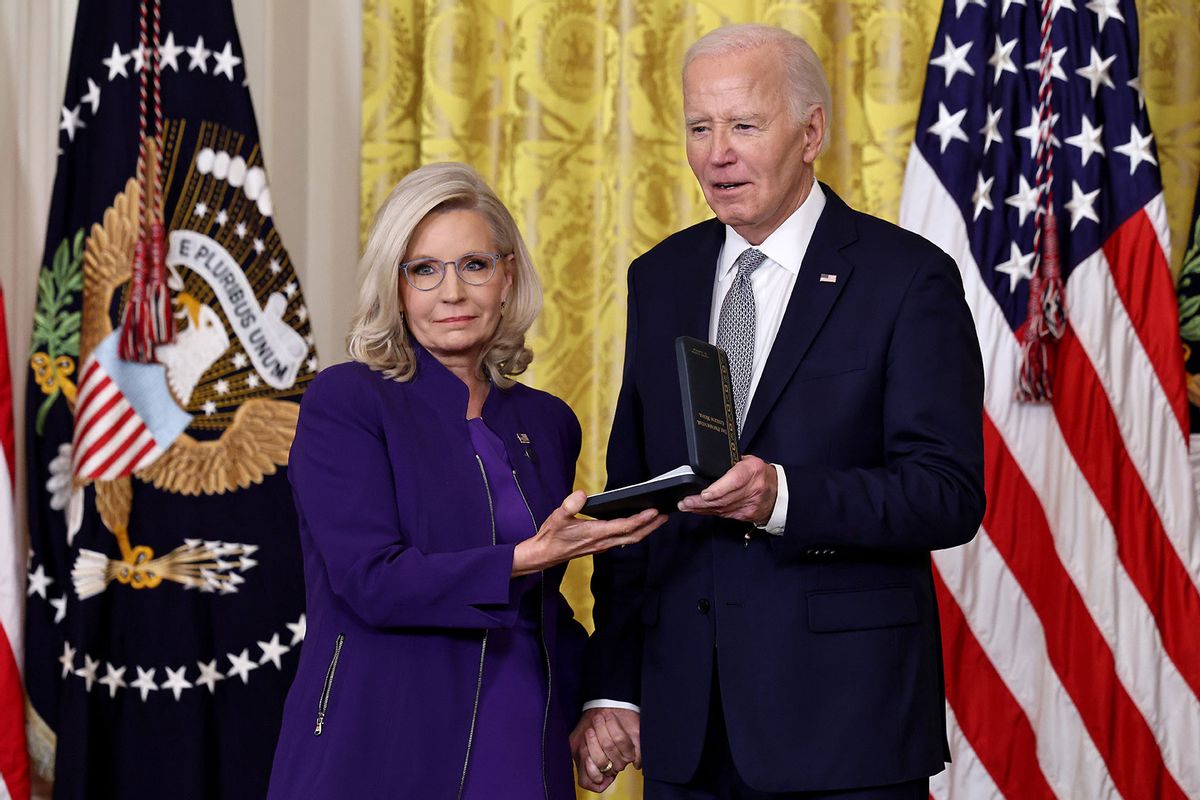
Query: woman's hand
[605,741]
[564,536]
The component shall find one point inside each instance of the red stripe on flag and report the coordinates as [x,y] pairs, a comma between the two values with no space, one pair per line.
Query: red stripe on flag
[120,451]
[110,431]
[88,384]
[14,761]
[89,410]
[89,391]
[1093,435]
[1143,280]
[89,370]
[7,436]
[1078,652]
[124,460]
[136,462]
[988,715]
[108,405]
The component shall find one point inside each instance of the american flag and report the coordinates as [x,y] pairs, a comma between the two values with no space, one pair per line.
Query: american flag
[1071,624]
[14,760]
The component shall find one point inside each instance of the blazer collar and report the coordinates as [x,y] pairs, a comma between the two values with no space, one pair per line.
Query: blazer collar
[696,285]
[811,301]
[447,396]
[444,390]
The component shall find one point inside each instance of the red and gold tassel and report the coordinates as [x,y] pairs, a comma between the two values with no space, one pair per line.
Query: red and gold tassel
[148,320]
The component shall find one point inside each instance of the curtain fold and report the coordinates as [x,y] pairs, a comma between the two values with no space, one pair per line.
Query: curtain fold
[572,110]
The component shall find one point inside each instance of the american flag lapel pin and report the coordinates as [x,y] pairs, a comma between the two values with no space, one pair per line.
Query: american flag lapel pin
[524,439]
[827,277]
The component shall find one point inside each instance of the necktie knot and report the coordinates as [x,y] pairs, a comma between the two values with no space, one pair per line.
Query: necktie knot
[750,260]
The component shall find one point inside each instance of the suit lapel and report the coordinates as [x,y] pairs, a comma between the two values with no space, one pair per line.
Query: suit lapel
[696,279]
[810,303]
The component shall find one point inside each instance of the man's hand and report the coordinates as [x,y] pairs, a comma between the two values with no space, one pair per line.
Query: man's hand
[746,492]
[605,741]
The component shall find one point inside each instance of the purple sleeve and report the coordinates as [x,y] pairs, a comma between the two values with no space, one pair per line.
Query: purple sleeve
[342,480]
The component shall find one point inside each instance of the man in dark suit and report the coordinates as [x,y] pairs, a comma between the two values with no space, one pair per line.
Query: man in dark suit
[779,637]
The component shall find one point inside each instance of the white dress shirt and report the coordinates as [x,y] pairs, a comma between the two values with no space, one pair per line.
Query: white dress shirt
[772,284]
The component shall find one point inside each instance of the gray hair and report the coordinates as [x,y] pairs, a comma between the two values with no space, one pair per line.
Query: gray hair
[806,76]
[378,336]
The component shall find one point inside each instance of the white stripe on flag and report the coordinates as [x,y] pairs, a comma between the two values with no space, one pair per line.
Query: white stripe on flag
[93,376]
[1008,629]
[121,439]
[121,465]
[965,776]
[1156,210]
[1149,427]
[105,391]
[12,598]
[96,435]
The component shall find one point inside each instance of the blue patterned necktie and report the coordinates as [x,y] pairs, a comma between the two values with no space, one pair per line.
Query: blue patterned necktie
[735,329]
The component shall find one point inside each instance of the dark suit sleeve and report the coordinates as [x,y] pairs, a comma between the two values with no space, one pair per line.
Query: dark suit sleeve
[614,653]
[929,493]
[342,480]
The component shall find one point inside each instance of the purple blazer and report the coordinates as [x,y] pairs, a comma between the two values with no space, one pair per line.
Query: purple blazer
[403,580]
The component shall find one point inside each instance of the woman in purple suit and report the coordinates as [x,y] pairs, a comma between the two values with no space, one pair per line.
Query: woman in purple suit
[440,659]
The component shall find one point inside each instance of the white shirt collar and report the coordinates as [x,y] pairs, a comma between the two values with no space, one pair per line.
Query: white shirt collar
[787,244]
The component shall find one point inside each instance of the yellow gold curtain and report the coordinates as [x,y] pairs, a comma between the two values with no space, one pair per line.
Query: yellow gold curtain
[572,111]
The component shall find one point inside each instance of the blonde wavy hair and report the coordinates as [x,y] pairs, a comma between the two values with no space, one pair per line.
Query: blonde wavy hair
[378,336]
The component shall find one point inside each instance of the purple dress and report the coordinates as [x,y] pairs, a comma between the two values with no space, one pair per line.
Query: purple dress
[507,756]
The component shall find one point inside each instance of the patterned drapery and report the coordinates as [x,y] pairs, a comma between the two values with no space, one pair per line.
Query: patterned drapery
[572,110]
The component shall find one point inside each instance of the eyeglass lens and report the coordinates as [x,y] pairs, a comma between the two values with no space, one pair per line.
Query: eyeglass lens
[473,268]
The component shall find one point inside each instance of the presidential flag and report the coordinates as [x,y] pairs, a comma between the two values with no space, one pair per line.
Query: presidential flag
[170,348]
[1071,624]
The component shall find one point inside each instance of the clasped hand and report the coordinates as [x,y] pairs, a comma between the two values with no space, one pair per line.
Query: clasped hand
[605,741]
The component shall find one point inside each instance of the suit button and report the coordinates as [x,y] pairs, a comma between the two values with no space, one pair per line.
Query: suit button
[702,605]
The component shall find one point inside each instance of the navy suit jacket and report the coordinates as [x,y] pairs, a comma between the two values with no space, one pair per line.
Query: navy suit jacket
[826,637]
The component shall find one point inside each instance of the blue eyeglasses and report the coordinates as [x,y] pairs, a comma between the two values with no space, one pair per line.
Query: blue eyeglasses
[426,274]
